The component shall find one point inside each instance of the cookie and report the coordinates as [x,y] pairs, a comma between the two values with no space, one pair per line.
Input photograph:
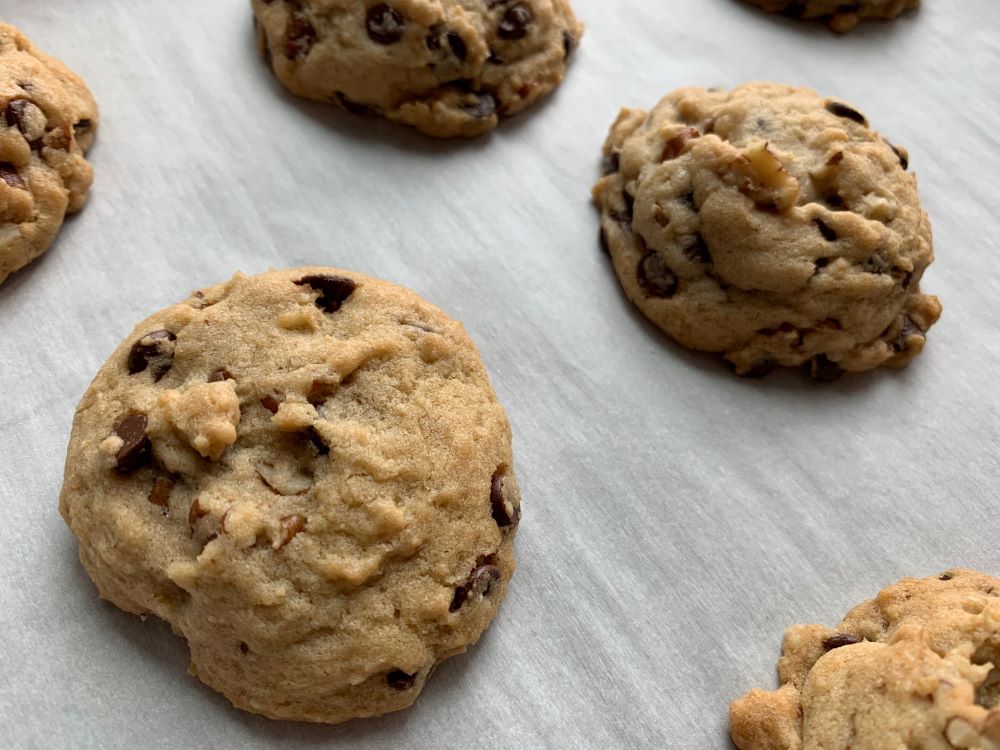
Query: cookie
[771,225]
[447,67]
[839,15]
[48,123]
[308,475]
[917,666]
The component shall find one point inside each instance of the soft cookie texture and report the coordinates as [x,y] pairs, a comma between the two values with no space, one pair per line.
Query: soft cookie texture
[447,67]
[915,667]
[840,15]
[771,225]
[308,475]
[48,123]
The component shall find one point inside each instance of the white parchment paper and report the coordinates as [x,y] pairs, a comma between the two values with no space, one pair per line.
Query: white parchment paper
[676,519]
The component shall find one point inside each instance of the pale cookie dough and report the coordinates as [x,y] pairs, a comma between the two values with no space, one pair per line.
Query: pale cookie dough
[308,475]
[48,120]
[447,67]
[840,15]
[771,225]
[915,667]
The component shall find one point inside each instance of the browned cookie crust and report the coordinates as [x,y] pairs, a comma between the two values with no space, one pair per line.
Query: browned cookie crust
[841,16]
[308,475]
[48,120]
[771,225]
[447,67]
[918,666]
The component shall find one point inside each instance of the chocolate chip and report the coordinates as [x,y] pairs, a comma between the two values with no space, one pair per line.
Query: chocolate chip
[569,44]
[16,114]
[612,163]
[515,22]
[829,234]
[909,328]
[334,290]
[316,440]
[385,25]
[135,445]
[823,369]
[697,251]
[655,278]
[10,175]
[220,376]
[457,45]
[299,36]
[840,640]
[483,108]
[842,110]
[876,264]
[155,351]
[505,512]
[244,648]
[479,583]
[902,154]
[270,403]
[290,526]
[397,679]
[945,577]
[759,370]
[160,494]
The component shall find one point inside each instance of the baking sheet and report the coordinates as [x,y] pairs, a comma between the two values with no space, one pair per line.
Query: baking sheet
[677,519]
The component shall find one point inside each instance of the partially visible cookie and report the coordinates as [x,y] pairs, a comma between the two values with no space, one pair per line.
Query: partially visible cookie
[918,666]
[308,475]
[48,120]
[840,15]
[447,67]
[769,224]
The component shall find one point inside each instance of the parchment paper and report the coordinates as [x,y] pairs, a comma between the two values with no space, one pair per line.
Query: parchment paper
[676,518]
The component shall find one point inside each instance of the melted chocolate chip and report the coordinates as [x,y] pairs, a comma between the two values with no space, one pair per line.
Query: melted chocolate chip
[697,251]
[842,110]
[483,108]
[16,114]
[135,447]
[244,648]
[160,493]
[155,350]
[384,24]
[909,328]
[505,512]
[829,234]
[397,679]
[334,290]
[655,278]
[825,370]
[457,45]
[840,640]
[515,22]
[480,582]
[299,36]
[10,175]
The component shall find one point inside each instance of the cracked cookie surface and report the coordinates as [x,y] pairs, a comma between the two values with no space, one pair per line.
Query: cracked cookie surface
[841,16]
[449,68]
[48,120]
[308,475]
[915,667]
[771,225]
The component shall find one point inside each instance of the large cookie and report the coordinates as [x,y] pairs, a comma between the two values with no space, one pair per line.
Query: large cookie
[48,122]
[308,475]
[771,225]
[447,67]
[915,667]
[840,15]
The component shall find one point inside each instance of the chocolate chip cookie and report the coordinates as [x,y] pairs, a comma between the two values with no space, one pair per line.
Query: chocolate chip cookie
[449,68]
[918,666]
[308,475]
[769,224]
[48,123]
[840,15]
